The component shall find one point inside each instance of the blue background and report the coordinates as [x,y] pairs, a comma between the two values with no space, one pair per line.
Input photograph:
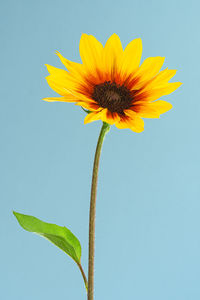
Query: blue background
[148,208]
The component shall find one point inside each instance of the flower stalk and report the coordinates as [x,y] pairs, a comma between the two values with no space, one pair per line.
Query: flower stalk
[105,128]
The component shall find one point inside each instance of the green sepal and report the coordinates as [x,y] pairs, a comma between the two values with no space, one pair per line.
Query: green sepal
[86,110]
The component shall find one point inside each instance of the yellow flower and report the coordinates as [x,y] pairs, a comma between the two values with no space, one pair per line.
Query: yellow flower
[112,85]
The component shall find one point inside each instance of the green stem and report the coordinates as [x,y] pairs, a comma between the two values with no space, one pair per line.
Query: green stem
[84,276]
[105,128]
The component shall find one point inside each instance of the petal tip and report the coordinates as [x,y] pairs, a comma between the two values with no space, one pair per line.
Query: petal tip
[115,34]
[139,40]
[163,58]
[137,130]
[84,35]
[85,121]
[170,106]
[45,99]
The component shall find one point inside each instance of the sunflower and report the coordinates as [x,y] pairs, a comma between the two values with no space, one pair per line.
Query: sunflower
[112,85]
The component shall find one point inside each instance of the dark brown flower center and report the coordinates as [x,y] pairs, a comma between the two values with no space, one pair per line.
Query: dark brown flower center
[112,96]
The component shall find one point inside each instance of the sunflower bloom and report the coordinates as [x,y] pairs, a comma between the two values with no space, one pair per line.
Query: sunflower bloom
[112,85]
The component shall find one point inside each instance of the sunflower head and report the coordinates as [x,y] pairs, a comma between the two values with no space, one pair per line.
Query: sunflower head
[112,85]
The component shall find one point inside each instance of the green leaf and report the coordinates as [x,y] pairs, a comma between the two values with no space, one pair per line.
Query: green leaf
[62,237]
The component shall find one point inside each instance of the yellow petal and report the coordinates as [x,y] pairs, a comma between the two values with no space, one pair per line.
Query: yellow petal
[109,117]
[122,124]
[112,55]
[132,56]
[132,114]
[64,87]
[60,85]
[60,74]
[56,71]
[162,90]
[154,109]
[69,98]
[90,52]
[148,112]
[92,106]
[164,76]
[149,68]
[75,68]
[161,106]
[135,123]
[93,116]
